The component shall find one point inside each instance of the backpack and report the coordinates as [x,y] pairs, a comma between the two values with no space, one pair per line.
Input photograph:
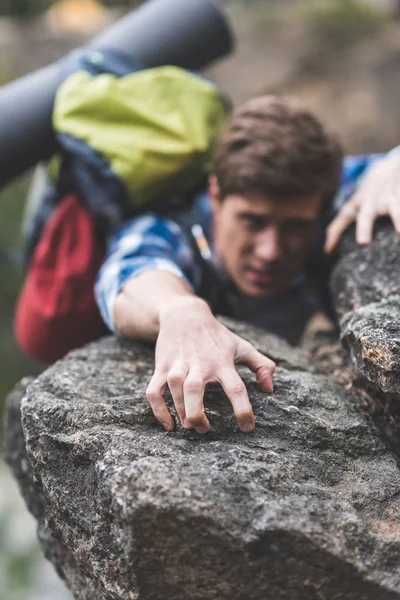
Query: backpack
[130,139]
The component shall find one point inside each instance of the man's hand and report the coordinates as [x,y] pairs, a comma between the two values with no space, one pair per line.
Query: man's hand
[194,349]
[378,195]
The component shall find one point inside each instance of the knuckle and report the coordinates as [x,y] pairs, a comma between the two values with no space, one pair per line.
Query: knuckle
[366,214]
[193,385]
[151,395]
[176,378]
[267,369]
[349,209]
[237,389]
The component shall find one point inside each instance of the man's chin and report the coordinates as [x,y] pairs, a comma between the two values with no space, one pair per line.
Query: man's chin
[260,291]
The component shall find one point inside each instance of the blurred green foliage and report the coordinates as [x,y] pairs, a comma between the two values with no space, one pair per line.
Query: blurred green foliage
[20,563]
[343,22]
[23,8]
[263,19]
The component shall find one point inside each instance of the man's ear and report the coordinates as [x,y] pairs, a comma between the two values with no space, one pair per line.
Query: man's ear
[214,191]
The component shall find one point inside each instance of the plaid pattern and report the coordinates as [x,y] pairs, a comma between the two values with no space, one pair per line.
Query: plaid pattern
[154,242]
[354,167]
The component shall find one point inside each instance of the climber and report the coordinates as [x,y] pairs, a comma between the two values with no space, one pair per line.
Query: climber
[250,247]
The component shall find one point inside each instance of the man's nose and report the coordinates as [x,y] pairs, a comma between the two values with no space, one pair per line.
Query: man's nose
[268,244]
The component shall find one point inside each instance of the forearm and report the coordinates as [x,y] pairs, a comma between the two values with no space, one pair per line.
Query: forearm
[137,308]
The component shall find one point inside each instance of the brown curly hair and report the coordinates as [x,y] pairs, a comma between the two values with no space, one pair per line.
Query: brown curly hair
[277,146]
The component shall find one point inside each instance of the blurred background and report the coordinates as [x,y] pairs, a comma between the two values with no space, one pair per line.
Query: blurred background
[341,56]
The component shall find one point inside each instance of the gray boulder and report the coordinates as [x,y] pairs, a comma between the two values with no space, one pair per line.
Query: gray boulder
[366,285]
[304,508]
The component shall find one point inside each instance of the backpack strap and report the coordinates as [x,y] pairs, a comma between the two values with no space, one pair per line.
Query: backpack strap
[211,286]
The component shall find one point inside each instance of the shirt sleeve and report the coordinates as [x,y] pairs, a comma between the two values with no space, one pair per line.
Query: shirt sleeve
[148,242]
[354,169]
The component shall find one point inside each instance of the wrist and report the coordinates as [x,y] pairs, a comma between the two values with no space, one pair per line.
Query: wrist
[183,305]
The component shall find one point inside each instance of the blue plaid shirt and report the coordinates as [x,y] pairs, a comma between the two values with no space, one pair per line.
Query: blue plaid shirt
[154,242]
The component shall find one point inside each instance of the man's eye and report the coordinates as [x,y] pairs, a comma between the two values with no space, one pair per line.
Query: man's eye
[297,227]
[253,224]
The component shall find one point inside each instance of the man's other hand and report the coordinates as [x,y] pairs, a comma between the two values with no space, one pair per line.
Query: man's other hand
[378,195]
[194,349]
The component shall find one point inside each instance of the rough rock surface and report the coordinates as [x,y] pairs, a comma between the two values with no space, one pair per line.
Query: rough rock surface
[307,507]
[366,285]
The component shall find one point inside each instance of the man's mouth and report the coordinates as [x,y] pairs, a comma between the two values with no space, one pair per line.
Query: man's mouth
[261,277]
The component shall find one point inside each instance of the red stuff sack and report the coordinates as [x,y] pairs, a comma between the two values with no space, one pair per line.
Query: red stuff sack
[56,310]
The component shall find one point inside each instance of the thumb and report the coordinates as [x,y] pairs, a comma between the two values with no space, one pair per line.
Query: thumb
[262,366]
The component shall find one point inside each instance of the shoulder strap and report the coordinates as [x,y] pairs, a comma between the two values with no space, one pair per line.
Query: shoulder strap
[211,287]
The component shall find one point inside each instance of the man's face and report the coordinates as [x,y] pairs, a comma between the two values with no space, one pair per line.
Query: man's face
[263,243]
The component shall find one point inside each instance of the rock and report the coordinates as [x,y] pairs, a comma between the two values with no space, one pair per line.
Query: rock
[280,351]
[304,508]
[14,449]
[24,573]
[30,486]
[367,296]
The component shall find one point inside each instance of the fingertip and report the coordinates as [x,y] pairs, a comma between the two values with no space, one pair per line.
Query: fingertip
[247,427]
[264,379]
[364,236]
[364,231]
[200,425]
[168,426]
[266,385]
[202,429]
[363,241]
[331,241]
